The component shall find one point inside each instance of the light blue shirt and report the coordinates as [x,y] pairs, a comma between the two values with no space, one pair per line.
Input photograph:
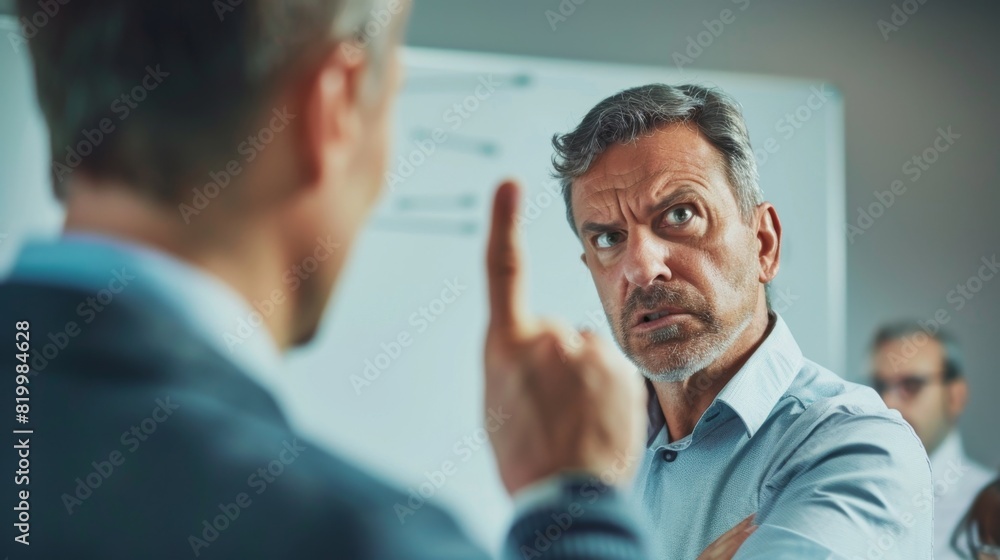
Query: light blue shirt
[829,470]
[109,268]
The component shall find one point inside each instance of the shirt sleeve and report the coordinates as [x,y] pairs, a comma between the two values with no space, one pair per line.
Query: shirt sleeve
[854,485]
[540,493]
[575,518]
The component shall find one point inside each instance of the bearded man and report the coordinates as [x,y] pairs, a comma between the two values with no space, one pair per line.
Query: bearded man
[662,190]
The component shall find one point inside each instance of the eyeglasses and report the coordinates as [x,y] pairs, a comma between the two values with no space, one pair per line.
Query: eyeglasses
[977,547]
[908,387]
[971,542]
[988,551]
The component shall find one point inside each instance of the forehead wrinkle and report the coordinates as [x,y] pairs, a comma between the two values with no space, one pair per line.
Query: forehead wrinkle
[676,153]
[613,199]
[647,191]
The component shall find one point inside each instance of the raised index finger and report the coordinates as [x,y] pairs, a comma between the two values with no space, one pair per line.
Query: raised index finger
[504,263]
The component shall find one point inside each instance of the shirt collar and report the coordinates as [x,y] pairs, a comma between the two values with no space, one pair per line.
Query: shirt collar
[203,302]
[755,389]
[948,453]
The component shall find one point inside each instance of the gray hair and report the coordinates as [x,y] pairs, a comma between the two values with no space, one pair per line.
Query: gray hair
[953,363]
[358,22]
[625,116]
[225,70]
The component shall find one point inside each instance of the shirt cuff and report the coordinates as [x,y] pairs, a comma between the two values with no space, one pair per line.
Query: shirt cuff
[544,492]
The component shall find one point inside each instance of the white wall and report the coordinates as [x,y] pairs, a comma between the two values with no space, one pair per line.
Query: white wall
[27,206]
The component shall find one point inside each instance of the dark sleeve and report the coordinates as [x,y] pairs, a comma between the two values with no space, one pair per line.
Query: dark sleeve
[585,521]
[588,521]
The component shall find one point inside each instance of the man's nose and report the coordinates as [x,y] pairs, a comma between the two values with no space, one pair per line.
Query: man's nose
[891,398]
[646,260]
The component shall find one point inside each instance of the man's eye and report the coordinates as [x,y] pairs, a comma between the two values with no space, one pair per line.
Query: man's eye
[679,215]
[608,239]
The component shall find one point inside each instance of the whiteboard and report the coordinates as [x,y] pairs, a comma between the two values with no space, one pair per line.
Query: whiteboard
[394,380]
[430,228]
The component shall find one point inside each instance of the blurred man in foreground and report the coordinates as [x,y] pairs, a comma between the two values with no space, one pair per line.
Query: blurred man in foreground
[205,149]
[661,188]
[920,375]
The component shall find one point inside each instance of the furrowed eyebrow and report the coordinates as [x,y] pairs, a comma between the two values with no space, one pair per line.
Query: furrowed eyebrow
[591,227]
[674,197]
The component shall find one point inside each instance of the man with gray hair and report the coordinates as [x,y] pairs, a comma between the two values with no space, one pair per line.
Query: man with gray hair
[661,188]
[917,369]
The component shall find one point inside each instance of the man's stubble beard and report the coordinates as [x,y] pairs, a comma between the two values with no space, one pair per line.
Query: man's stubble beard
[704,352]
[688,355]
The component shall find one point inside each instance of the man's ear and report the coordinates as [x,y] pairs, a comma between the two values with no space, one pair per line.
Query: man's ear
[958,396]
[768,241]
[583,258]
[331,98]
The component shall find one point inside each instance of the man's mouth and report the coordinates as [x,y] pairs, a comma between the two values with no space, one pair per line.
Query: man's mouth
[646,319]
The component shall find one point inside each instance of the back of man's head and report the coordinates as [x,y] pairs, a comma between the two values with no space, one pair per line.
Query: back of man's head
[156,106]
[155,93]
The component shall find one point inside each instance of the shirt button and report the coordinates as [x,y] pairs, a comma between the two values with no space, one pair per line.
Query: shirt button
[669,455]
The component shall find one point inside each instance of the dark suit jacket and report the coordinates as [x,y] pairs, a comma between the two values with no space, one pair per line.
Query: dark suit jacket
[148,444]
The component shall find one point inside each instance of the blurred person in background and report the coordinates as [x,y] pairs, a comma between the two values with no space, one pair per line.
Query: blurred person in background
[921,375]
[977,537]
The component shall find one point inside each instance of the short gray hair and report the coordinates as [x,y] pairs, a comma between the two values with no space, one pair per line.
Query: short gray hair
[953,365]
[358,21]
[625,116]
[225,64]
